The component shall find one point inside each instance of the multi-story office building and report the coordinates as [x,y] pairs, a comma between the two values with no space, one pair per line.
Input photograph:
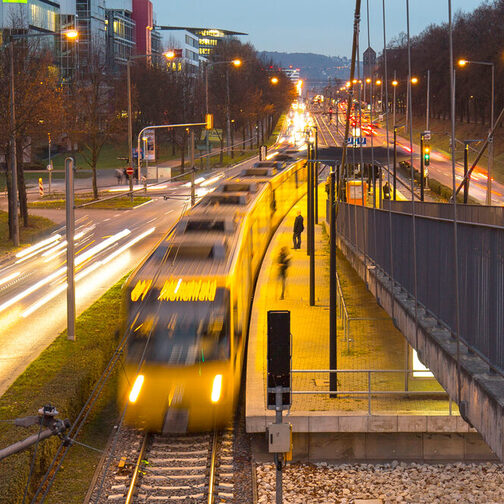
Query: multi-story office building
[188,43]
[91,26]
[120,32]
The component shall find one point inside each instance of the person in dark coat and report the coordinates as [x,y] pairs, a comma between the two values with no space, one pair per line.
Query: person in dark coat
[386,191]
[298,229]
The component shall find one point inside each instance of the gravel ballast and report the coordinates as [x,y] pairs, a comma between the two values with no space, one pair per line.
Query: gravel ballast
[384,484]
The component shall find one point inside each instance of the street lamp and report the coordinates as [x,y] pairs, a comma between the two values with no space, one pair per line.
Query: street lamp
[274,80]
[395,83]
[71,34]
[236,62]
[462,63]
[170,54]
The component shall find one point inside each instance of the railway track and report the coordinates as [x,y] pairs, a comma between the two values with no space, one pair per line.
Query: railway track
[167,468]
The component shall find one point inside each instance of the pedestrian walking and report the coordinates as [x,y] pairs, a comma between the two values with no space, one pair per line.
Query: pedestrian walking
[298,229]
[119,175]
[283,265]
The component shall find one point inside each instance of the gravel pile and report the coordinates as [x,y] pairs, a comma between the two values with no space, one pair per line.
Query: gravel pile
[384,484]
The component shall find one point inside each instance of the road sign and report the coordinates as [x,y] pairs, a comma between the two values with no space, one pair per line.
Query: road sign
[41,187]
[129,170]
[354,141]
[427,135]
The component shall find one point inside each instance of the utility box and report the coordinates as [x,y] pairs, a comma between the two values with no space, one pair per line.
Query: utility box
[280,438]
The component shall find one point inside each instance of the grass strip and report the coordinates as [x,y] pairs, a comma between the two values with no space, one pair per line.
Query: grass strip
[118,203]
[37,227]
[63,375]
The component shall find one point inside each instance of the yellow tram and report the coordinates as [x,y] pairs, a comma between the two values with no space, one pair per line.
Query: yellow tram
[187,305]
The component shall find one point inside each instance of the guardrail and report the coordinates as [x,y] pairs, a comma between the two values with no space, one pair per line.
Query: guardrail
[369,392]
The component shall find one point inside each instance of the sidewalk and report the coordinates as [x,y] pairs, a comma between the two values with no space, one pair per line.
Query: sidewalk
[373,344]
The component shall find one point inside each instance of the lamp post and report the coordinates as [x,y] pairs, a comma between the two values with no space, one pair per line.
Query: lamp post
[463,63]
[394,85]
[237,63]
[168,55]
[70,34]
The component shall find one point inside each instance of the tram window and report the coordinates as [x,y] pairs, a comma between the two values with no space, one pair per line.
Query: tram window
[216,199]
[207,225]
[186,333]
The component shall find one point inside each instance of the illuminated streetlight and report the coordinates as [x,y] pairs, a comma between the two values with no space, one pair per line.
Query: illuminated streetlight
[237,62]
[71,34]
[274,80]
[462,63]
[170,54]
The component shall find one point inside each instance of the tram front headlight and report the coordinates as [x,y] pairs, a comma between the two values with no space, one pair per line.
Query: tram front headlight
[216,388]
[137,386]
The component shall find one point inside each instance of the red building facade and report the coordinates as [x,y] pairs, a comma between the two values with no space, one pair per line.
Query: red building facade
[143,17]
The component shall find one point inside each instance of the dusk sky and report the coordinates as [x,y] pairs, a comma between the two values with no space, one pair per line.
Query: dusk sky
[320,26]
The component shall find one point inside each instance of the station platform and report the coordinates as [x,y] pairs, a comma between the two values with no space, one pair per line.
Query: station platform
[388,413]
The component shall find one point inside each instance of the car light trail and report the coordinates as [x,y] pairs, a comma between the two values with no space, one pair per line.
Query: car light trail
[32,289]
[38,246]
[120,250]
[44,300]
[9,277]
[212,180]
[101,246]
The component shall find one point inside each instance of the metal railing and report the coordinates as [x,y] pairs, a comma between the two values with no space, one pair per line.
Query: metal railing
[480,272]
[343,314]
[369,392]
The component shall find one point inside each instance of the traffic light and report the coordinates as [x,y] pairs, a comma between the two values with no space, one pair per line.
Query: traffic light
[426,155]
[209,121]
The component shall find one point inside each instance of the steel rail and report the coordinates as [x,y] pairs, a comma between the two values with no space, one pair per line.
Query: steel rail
[134,478]
[212,470]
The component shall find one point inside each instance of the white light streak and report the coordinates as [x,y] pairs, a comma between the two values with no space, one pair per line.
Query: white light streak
[212,180]
[9,277]
[101,246]
[13,300]
[37,246]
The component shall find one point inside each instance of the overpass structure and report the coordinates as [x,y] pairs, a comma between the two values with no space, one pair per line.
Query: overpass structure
[438,270]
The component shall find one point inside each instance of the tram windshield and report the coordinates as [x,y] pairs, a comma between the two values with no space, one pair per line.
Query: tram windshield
[181,332]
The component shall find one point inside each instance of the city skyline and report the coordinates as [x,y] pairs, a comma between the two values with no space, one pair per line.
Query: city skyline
[330,33]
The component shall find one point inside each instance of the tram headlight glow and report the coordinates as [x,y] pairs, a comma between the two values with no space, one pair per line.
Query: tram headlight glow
[216,388]
[135,391]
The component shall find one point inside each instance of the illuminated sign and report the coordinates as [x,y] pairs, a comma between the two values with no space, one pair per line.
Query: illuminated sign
[178,290]
[15,1]
[141,289]
[194,290]
[211,33]
[208,42]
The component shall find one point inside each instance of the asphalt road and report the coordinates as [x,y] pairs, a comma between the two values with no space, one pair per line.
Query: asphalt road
[440,167]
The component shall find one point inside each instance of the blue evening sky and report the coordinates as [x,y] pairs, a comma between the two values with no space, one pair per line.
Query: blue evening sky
[319,26]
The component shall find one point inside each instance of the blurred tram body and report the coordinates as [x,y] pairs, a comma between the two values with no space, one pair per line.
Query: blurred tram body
[187,305]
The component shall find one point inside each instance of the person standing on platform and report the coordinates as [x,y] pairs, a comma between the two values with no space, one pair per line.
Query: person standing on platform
[283,265]
[386,191]
[298,229]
